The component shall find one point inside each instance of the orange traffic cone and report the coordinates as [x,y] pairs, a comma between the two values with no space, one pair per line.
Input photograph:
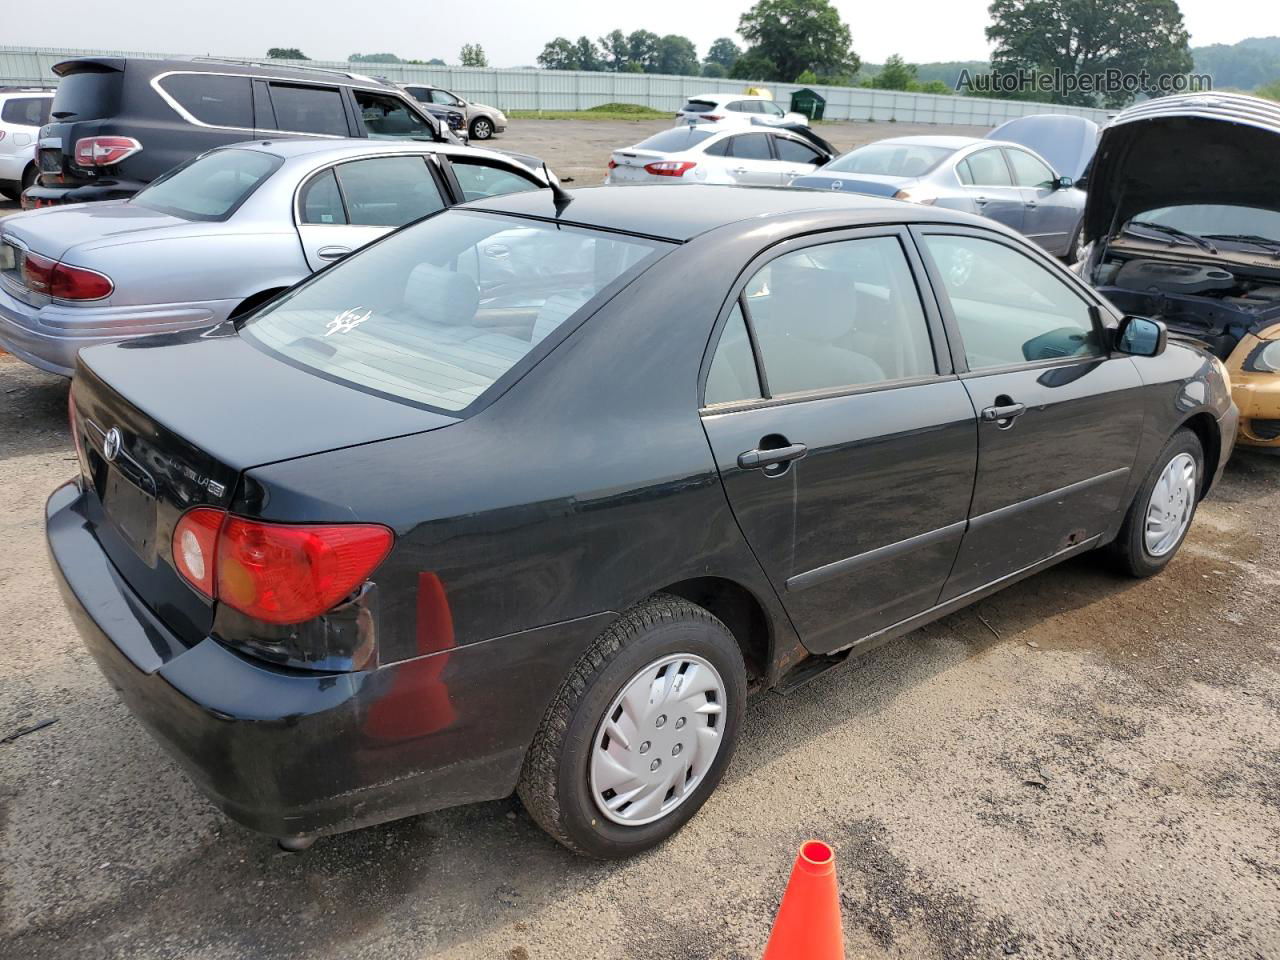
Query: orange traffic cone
[808,923]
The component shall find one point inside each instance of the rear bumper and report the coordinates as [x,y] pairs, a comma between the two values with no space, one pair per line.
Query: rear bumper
[49,337]
[292,753]
[42,196]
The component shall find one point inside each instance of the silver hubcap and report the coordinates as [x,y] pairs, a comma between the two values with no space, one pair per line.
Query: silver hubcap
[482,130]
[657,740]
[1172,500]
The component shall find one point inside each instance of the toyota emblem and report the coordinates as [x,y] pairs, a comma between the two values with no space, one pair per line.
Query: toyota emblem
[111,445]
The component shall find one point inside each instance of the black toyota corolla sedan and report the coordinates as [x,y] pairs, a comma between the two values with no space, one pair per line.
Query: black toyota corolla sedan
[530,494]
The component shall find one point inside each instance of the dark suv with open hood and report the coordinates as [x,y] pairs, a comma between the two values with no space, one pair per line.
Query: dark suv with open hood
[1183,224]
[117,124]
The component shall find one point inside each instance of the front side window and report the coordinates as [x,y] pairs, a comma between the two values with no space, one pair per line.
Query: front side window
[437,313]
[793,151]
[752,146]
[1028,171]
[988,169]
[479,180]
[732,377]
[891,159]
[842,314]
[391,118]
[445,97]
[210,187]
[388,191]
[1010,309]
[304,109]
[738,106]
[217,101]
[26,111]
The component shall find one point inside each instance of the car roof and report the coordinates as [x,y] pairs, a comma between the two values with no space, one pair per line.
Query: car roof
[254,68]
[949,143]
[337,149]
[681,212]
[727,96]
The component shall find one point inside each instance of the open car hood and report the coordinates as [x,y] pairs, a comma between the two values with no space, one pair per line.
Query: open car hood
[1196,149]
[1066,141]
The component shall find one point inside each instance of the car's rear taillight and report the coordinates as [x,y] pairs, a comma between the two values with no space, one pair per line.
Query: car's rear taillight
[711,117]
[275,572]
[63,281]
[612,163]
[669,168]
[104,151]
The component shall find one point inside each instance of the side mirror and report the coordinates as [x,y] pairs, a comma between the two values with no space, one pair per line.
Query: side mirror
[1141,337]
[1062,183]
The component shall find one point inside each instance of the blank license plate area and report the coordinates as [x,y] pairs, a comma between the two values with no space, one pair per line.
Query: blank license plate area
[133,512]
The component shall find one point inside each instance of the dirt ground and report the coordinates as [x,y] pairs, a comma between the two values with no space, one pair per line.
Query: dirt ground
[1082,766]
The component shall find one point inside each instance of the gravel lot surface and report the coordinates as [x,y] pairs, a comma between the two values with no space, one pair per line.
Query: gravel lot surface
[1082,766]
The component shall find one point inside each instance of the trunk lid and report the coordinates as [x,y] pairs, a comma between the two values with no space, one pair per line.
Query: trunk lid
[1192,150]
[171,422]
[53,231]
[876,185]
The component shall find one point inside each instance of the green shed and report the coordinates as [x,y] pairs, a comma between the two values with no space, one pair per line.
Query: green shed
[809,102]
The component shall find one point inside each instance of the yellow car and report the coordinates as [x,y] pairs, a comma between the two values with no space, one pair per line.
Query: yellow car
[1182,224]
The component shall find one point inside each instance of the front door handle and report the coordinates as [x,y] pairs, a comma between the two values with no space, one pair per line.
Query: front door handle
[332,253]
[1004,412]
[1032,203]
[980,201]
[754,459]
[738,170]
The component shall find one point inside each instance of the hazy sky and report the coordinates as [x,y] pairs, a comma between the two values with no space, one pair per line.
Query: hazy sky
[513,32]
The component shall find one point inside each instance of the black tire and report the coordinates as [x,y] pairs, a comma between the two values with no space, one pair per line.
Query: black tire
[29,176]
[10,192]
[481,128]
[1130,547]
[554,784]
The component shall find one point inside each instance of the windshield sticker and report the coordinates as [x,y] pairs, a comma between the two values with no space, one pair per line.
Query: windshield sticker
[347,321]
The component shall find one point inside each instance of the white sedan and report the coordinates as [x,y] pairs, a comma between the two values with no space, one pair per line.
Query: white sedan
[721,154]
[739,108]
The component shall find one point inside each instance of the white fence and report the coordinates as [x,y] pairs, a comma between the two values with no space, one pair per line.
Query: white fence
[525,89]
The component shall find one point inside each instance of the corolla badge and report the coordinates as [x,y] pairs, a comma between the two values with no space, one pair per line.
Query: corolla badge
[347,321]
[111,444]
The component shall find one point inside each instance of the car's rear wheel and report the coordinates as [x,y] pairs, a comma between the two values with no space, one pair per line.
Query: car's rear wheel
[481,128]
[640,733]
[10,191]
[1163,508]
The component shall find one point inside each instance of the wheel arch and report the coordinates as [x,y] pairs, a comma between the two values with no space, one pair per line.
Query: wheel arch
[253,301]
[1206,429]
[739,609]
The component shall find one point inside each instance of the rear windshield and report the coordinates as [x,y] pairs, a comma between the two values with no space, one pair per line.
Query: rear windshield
[436,313]
[675,139]
[698,106]
[210,187]
[90,95]
[890,159]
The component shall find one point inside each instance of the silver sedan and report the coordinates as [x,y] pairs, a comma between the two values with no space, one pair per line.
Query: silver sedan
[220,235]
[1001,180]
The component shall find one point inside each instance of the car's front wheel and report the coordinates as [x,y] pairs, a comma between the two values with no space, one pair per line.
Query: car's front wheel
[1163,508]
[481,128]
[640,733]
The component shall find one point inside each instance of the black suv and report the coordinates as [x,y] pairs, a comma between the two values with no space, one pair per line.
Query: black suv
[117,124]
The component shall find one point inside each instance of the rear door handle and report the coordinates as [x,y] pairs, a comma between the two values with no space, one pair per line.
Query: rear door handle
[1032,203]
[754,459]
[980,201]
[332,253]
[1006,412]
[738,170]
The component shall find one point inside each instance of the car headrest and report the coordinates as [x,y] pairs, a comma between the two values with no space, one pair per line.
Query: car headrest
[441,296]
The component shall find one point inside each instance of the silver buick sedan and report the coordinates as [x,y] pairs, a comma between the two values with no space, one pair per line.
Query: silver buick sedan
[221,235]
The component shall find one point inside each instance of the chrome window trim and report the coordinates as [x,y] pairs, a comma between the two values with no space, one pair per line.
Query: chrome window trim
[334,164]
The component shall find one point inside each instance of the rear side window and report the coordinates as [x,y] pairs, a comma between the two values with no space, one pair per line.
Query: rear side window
[837,315]
[391,118]
[675,139]
[733,376]
[479,179]
[26,111]
[217,101]
[988,169]
[436,314]
[752,146]
[87,95]
[302,109]
[210,187]
[388,191]
[738,106]
[793,151]
[320,201]
[698,106]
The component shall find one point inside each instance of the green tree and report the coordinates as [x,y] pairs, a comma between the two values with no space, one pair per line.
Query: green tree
[808,78]
[616,50]
[374,58]
[1271,91]
[714,71]
[559,54]
[754,65]
[472,55]
[896,74]
[678,56]
[723,52]
[286,53]
[588,55]
[1079,37]
[798,35]
[643,47]
[932,86]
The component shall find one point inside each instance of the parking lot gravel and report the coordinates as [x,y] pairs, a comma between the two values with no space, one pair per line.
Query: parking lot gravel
[1080,766]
